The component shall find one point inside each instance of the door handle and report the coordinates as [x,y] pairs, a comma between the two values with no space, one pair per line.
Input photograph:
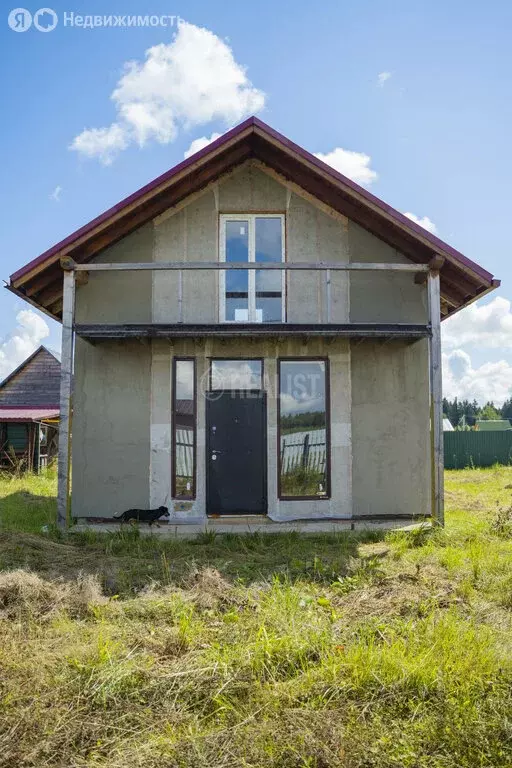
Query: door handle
[216,452]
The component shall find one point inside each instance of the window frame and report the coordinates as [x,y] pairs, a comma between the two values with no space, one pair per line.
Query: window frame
[308,359]
[251,288]
[192,496]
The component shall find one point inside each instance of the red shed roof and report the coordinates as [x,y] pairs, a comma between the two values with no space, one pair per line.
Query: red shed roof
[462,280]
[28,414]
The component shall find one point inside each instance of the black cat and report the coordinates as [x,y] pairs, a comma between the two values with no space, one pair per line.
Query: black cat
[149,516]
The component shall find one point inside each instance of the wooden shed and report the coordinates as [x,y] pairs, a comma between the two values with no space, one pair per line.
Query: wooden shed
[29,412]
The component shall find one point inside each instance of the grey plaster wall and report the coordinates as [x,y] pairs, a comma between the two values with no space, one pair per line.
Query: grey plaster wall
[379,393]
[251,190]
[338,353]
[119,297]
[382,297]
[111,428]
[390,429]
[313,236]
[191,234]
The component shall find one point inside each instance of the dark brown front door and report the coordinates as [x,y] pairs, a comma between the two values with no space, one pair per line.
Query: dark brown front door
[236,453]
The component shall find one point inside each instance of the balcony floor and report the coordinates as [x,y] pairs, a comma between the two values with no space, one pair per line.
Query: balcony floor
[100,332]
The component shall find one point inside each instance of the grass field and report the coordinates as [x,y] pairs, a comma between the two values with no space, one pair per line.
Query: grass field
[335,651]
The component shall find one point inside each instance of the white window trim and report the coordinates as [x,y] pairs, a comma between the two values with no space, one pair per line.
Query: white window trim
[251,221]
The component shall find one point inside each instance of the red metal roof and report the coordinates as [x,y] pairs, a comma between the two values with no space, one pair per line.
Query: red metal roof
[28,414]
[254,121]
[461,277]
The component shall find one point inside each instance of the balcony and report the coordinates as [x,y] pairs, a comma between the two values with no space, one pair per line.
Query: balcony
[327,317]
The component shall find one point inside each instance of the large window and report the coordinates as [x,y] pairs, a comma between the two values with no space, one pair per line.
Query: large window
[304,429]
[253,295]
[184,429]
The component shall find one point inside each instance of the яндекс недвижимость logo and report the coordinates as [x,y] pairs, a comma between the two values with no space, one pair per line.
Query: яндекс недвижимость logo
[44,20]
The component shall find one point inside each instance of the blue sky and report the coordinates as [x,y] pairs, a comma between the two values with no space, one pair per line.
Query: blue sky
[436,128]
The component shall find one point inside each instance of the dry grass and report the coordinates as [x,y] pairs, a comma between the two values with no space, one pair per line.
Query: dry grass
[25,595]
[287,652]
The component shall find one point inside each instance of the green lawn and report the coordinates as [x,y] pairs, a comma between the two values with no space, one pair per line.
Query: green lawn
[342,651]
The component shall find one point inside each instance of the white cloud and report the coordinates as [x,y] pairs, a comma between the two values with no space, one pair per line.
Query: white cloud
[301,404]
[31,329]
[201,143]
[491,381]
[243,376]
[425,222]
[480,325]
[355,165]
[103,143]
[191,81]
[382,78]
[55,195]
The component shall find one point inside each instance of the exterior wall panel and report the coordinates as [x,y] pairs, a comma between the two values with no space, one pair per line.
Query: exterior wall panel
[111,428]
[390,429]
[119,297]
[382,297]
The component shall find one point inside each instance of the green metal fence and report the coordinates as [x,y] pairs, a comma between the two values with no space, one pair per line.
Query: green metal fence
[477,449]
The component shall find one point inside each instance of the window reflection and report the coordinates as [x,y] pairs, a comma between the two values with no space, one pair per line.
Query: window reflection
[236,374]
[184,429]
[269,290]
[237,281]
[304,436]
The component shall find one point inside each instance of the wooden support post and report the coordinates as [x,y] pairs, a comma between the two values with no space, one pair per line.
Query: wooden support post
[435,264]
[180,296]
[66,381]
[436,398]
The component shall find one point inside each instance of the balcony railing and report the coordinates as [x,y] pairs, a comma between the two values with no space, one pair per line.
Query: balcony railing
[420,271]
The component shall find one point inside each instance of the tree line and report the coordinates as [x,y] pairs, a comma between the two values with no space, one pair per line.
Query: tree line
[464,411]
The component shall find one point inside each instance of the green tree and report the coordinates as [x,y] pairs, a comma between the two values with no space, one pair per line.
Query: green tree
[488,412]
[506,409]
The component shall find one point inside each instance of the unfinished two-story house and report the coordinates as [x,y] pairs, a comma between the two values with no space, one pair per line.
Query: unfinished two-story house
[256,339]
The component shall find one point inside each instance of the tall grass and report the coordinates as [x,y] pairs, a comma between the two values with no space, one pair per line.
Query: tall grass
[28,501]
[280,651]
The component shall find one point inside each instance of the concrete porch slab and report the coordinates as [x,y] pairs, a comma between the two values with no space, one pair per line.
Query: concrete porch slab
[248,524]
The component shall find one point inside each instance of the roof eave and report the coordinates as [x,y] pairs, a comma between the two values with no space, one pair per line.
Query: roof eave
[393,215]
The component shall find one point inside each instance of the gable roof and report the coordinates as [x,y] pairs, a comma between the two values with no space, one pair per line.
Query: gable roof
[25,362]
[462,281]
[33,384]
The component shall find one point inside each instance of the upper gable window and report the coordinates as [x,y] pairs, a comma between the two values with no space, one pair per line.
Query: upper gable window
[252,295]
